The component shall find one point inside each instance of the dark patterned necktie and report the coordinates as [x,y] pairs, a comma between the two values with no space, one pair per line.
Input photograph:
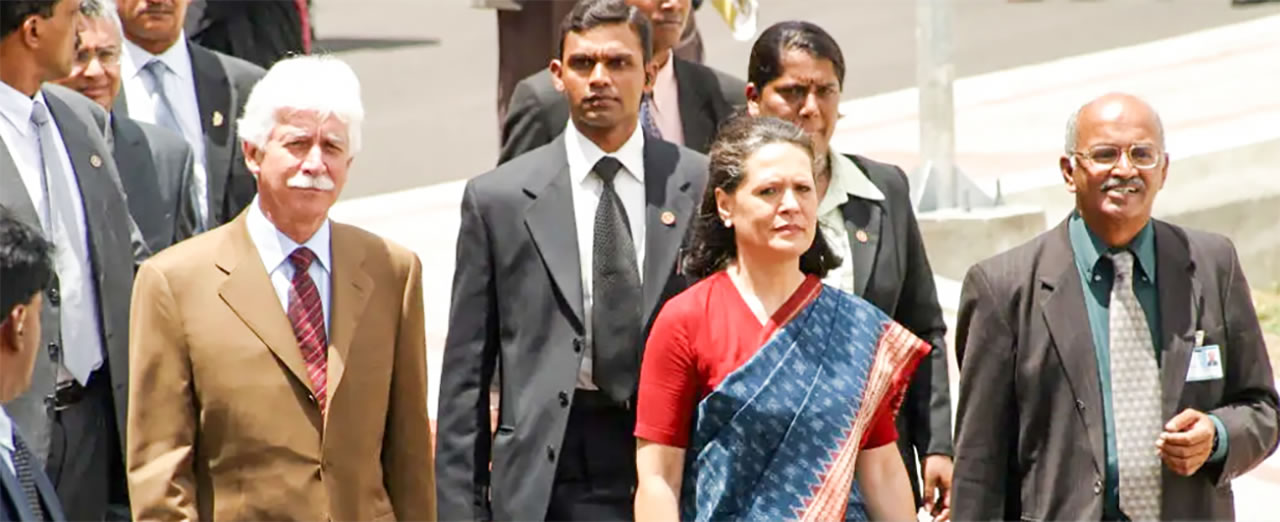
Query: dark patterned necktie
[23,463]
[615,294]
[647,123]
[307,316]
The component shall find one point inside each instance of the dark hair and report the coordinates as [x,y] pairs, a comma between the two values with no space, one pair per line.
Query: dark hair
[765,64]
[589,14]
[714,245]
[14,12]
[25,264]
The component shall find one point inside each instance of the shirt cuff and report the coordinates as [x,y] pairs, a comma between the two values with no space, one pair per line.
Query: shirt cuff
[1220,440]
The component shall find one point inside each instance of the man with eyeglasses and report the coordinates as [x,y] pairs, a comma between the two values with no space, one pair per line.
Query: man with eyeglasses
[1112,368]
[157,167]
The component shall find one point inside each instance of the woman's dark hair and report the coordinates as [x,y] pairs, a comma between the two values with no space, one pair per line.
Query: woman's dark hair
[765,64]
[713,244]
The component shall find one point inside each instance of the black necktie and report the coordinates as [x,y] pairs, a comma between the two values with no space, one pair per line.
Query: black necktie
[22,466]
[616,295]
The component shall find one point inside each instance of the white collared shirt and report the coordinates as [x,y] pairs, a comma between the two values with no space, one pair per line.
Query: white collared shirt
[666,102]
[6,441]
[274,248]
[180,89]
[583,154]
[78,303]
[846,180]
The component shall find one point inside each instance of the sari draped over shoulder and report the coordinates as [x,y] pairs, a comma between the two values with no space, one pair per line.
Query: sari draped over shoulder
[778,438]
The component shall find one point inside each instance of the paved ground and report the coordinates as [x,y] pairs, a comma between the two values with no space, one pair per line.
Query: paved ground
[429,66]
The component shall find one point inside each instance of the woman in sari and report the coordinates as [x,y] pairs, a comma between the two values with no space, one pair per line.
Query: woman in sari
[764,394]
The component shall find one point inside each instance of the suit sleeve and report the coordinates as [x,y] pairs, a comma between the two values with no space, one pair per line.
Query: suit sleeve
[1249,408]
[987,414]
[406,450]
[162,412]
[189,223]
[919,311]
[525,127]
[463,434]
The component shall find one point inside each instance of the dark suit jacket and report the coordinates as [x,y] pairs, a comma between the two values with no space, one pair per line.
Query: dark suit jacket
[538,112]
[223,84]
[13,501]
[891,270]
[517,301]
[1029,434]
[156,171]
[111,254]
[259,31]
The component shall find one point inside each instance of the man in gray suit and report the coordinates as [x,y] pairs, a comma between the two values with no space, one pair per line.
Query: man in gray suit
[686,103]
[1113,367]
[564,257]
[156,166]
[57,174]
[197,93]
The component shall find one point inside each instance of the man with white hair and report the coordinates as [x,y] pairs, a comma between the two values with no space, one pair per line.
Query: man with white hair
[278,362]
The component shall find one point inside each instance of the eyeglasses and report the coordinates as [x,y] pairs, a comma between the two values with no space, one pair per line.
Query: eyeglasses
[1141,155]
[106,56]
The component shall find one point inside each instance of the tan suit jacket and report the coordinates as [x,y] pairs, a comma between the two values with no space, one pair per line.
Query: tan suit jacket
[222,423]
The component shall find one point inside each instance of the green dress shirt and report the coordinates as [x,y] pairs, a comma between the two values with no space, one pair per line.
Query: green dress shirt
[1097,276]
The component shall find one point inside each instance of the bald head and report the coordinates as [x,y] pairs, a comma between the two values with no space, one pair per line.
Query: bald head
[1113,108]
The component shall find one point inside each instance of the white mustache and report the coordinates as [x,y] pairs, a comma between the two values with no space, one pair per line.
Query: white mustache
[303,181]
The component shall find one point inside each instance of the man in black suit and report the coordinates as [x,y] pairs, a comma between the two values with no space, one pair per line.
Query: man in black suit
[685,104]
[1112,368]
[156,166]
[565,255]
[260,31]
[57,174]
[25,272]
[197,93]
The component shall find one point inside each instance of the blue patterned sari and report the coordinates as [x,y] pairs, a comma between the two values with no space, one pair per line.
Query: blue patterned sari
[778,438]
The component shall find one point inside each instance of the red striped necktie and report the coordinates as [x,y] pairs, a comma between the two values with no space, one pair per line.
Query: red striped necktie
[307,316]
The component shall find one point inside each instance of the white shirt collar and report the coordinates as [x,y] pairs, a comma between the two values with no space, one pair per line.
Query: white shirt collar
[176,57]
[583,153]
[16,107]
[846,179]
[6,432]
[274,247]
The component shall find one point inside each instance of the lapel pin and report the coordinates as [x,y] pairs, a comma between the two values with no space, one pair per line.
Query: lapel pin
[95,160]
[668,218]
[862,236]
[217,118]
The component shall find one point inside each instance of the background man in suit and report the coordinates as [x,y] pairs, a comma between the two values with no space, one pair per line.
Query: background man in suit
[260,31]
[57,174]
[528,37]
[283,350]
[686,103]
[1088,349]
[796,72]
[192,91]
[156,165]
[26,270]
[565,254]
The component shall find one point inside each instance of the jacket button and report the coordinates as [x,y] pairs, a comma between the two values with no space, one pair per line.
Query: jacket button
[1097,487]
[564,399]
[54,298]
[577,346]
[1079,405]
[55,351]
[551,453]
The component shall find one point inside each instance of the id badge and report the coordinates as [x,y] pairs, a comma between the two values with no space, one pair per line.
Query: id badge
[1206,364]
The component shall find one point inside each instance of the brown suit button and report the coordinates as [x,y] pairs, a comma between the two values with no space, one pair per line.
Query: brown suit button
[564,399]
[551,453]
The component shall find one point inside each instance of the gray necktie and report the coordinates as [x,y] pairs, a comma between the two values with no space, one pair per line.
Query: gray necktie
[24,468]
[616,319]
[1135,396]
[154,73]
[70,255]
[647,123]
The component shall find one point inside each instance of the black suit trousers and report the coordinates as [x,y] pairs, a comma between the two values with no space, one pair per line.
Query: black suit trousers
[596,474]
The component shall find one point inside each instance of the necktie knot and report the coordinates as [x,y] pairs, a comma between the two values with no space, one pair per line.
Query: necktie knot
[607,168]
[1123,263]
[39,114]
[302,257]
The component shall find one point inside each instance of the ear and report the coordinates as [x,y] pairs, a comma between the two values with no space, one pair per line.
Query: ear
[556,67]
[251,160]
[11,328]
[753,99]
[1067,164]
[650,75]
[30,30]
[724,204]
[1164,170]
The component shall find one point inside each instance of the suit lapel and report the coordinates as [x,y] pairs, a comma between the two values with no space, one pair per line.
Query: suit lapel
[551,225]
[1068,321]
[352,286]
[17,200]
[213,95]
[698,127]
[1178,311]
[865,217]
[666,194]
[248,292]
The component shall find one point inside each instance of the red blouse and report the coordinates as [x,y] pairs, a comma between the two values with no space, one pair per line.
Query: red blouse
[698,339]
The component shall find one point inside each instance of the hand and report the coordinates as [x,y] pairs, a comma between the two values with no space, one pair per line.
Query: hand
[1187,442]
[936,470]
